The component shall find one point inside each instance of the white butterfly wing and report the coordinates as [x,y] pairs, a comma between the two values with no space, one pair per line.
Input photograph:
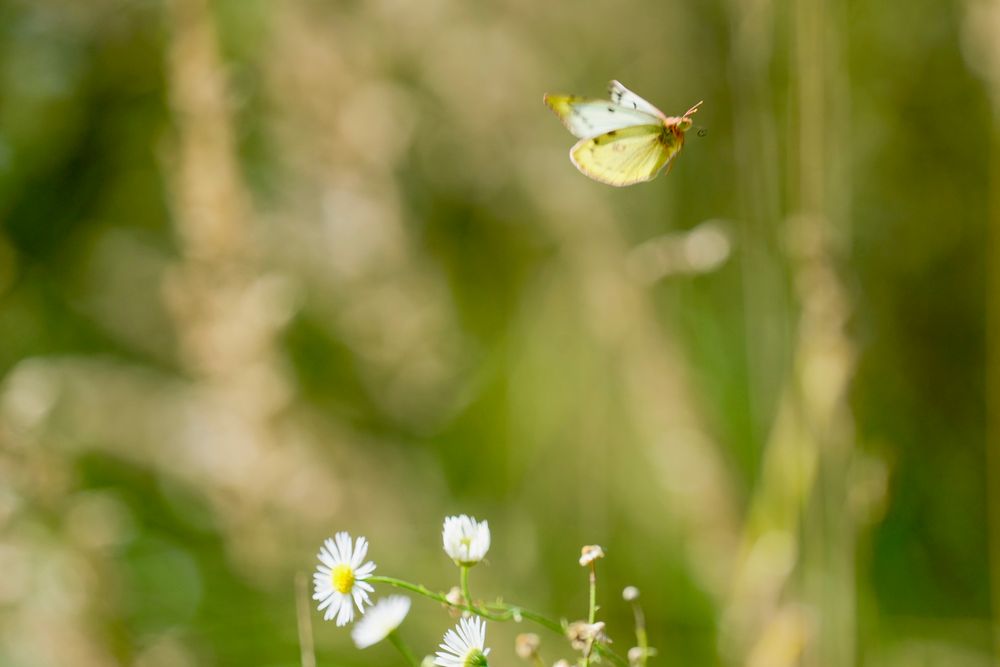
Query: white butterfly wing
[587,117]
[622,96]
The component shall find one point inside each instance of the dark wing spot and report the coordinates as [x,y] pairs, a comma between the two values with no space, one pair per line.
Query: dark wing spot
[611,109]
[574,111]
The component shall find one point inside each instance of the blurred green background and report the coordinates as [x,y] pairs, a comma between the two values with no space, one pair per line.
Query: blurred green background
[269,270]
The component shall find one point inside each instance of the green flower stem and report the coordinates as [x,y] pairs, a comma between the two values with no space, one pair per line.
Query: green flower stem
[513,612]
[592,615]
[640,632]
[592,612]
[413,588]
[644,645]
[505,612]
[611,655]
[492,612]
[401,646]
[466,595]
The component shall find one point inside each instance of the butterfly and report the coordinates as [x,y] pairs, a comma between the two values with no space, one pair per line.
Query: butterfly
[623,141]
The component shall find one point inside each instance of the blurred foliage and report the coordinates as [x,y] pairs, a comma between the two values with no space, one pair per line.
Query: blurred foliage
[273,270]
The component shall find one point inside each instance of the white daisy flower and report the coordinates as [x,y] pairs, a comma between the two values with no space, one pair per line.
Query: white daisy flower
[387,614]
[464,646]
[465,540]
[340,577]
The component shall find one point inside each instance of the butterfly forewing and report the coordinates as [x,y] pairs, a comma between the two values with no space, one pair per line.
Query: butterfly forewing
[588,117]
[622,96]
[625,157]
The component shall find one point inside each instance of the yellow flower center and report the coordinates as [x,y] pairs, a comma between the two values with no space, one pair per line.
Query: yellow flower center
[475,658]
[343,578]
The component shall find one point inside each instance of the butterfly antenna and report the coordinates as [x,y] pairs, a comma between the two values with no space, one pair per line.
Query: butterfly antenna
[693,109]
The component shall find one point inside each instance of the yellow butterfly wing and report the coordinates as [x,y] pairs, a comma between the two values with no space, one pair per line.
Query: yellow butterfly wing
[627,156]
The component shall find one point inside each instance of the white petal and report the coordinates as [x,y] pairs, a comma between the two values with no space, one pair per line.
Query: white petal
[346,614]
[343,547]
[360,550]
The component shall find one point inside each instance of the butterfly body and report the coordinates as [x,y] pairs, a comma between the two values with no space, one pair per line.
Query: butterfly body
[623,141]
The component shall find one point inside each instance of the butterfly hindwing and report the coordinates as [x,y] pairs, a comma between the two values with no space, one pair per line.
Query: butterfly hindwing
[588,117]
[626,156]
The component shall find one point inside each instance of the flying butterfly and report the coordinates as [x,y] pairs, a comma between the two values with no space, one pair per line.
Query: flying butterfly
[623,141]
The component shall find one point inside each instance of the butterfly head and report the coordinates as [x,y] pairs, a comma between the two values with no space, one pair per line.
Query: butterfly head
[684,123]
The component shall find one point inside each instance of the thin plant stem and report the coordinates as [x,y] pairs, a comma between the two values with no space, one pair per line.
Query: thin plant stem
[591,612]
[611,655]
[493,612]
[993,367]
[604,652]
[306,650]
[503,613]
[820,195]
[640,632]
[401,646]
[465,584]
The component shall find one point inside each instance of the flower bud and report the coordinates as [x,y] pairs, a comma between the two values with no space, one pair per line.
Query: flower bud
[590,553]
[582,634]
[637,655]
[526,645]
